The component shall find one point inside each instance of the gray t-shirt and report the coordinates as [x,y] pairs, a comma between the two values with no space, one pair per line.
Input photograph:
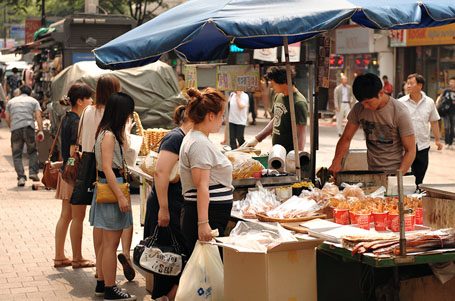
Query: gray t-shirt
[22,110]
[198,151]
[383,131]
[117,160]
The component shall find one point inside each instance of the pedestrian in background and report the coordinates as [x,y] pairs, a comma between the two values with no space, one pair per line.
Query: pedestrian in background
[343,101]
[13,82]
[402,91]
[20,114]
[448,97]
[423,112]
[388,88]
[79,97]
[238,117]
[112,218]
[206,173]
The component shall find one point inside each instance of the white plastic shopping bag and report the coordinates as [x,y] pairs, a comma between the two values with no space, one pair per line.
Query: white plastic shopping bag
[203,276]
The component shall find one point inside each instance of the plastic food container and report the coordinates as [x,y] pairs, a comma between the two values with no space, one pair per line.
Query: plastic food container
[341,216]
[363,221]
[380,221]
[419,216]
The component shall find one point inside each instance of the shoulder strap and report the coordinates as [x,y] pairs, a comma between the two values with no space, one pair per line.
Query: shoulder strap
[56,138]
[78,141]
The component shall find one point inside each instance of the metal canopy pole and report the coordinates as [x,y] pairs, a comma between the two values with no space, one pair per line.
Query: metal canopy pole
[292,110]
[401,213]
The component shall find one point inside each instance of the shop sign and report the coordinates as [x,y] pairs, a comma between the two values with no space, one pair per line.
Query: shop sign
[397,38]
[441,35]
[268,55]
[237,77]
[83,56]
[353,39]
[190,73]
[294,53]
[31,26]
[17,32]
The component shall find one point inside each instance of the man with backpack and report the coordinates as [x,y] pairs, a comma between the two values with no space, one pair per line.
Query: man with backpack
[446,109]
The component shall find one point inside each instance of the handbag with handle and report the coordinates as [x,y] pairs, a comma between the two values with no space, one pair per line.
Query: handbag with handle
[51,169]
[72,166]
[86,176]
[104,194]
[159,259]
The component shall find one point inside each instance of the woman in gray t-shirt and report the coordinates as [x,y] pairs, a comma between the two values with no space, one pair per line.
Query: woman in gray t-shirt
[206,174]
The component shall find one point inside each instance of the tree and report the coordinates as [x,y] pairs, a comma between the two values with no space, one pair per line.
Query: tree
[140,10]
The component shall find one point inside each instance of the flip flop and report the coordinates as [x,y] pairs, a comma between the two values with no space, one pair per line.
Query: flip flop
[83,264]
[60,263]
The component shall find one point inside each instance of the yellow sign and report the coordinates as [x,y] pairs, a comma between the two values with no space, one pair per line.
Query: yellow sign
[190,73]
[237,77]
[441,35]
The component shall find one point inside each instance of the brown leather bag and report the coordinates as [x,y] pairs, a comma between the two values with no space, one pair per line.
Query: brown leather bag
[51,169]
[72,166]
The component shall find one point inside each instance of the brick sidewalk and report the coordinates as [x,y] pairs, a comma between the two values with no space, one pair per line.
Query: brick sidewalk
[28,220]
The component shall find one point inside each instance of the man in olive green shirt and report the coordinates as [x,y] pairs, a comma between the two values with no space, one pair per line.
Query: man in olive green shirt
[280,125]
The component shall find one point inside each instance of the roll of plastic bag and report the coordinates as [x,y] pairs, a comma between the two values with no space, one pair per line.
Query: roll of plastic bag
[277,158]
[290,161]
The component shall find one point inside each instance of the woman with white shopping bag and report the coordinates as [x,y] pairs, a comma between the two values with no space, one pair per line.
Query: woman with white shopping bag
[206,176]
[206,173]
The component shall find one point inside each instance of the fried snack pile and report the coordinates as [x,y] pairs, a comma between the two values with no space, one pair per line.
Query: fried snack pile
[243,165]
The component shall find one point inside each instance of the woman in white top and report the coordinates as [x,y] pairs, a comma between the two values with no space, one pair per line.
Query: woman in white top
[238,117]
[205,173]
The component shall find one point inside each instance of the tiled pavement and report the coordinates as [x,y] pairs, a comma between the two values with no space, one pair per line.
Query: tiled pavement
[27,227]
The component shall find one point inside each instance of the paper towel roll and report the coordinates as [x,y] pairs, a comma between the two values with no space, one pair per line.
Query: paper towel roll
[277,158]
[290,161]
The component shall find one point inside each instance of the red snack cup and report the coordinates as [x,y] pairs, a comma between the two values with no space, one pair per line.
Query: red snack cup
[363,221]
[409,222]
[419,216]
[341,216]
[380,221]
[257,174]
[394,221]
[352,217]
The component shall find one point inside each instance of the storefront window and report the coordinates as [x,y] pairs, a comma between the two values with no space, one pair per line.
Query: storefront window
[366,63]
[446,65]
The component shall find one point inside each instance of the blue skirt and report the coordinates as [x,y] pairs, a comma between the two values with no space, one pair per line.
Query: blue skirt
[109,216]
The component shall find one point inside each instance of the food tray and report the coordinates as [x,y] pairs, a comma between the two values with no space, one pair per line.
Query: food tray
[264,218]
[295,227]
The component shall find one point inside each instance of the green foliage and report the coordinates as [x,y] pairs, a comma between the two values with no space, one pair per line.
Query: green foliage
[140,10]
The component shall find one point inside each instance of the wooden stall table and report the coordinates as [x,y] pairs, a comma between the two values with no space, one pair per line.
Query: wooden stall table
[342,276]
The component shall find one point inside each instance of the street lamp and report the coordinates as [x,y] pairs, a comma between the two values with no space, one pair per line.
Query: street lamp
[43,13]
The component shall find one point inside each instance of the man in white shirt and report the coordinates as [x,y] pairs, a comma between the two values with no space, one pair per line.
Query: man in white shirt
[343,101]
[423,111]
[238,117]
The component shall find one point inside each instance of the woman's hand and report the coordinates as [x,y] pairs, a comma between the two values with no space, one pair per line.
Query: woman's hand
[163,217]
[124,204]
[204,232]
[129,125]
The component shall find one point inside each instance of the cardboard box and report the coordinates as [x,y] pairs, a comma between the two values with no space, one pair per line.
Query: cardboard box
[286,272]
